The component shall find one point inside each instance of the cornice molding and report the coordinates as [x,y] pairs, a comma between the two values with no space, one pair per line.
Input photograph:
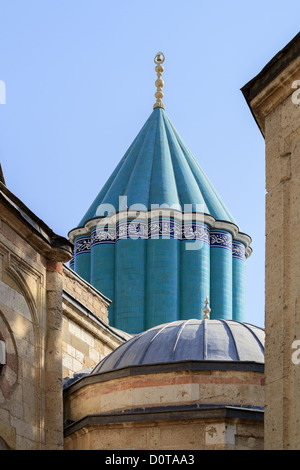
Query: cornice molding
[207,219]
[273,84]
[34,230]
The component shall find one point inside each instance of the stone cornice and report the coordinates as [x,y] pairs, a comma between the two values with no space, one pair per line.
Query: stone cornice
[167,413]
[81,315]
[33,229]
[274,83]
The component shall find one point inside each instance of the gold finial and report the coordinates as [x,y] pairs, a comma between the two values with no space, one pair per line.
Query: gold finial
[159,59]
[206,310]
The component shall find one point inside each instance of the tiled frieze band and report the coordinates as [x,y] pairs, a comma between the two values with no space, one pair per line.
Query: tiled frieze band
[220,239]
[82,245]
[132,229]
[164,228]
[238,250]
[151,229]
[159,229]
[193,231]
[103,234]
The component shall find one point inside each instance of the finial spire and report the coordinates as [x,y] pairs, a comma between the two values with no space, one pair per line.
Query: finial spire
[206,310]
[159,59]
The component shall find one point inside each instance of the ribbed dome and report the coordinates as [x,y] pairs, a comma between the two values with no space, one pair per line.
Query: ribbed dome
[158,266]
[191,340]
[159,169]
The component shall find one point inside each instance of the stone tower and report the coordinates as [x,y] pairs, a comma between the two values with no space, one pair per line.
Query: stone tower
[273,97]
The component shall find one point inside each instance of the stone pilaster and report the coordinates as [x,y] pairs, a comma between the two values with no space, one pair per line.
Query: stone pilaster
[53,358]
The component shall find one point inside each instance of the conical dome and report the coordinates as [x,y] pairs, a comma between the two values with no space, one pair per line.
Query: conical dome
[158,240]
[157,169]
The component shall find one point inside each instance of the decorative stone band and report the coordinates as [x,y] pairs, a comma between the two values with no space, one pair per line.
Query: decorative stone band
[220,240]
[238,250]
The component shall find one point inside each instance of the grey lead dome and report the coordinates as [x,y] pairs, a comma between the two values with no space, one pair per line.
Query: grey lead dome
[189,340]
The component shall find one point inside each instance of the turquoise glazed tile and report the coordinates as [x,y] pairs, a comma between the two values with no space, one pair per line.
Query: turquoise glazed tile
[144,266]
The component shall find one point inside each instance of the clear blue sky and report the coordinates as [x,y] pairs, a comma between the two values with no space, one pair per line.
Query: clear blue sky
[80,84]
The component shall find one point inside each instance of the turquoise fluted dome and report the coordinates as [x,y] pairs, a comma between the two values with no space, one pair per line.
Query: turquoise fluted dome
[158,168]
[172,244]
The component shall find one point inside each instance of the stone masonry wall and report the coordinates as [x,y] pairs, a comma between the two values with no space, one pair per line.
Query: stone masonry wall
[23,317]
[282,275]
[87,337]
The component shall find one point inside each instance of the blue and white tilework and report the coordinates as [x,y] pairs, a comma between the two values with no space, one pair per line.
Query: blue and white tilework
[82,245]
[238,250]
[220,239]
